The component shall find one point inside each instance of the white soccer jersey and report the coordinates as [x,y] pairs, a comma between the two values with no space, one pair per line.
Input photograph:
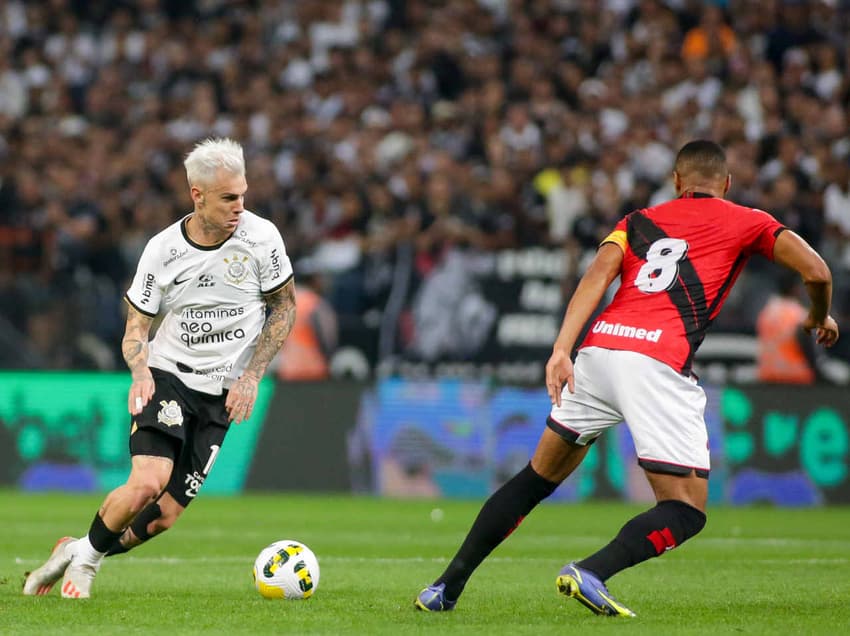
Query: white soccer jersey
[211,299]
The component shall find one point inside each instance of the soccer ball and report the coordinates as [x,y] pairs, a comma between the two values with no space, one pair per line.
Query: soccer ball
[286,569]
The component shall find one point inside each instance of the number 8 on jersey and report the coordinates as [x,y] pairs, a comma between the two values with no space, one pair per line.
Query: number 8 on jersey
[662,265]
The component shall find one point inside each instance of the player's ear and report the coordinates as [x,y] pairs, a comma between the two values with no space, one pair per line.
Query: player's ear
[728,183]
[677,182]
[197,195]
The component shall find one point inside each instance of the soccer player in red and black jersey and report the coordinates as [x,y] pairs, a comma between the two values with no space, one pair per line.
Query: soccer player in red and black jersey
[677,263]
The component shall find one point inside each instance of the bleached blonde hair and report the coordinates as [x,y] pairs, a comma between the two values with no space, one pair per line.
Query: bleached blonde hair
[213,154]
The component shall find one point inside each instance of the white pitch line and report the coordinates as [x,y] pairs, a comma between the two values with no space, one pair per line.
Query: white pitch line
[390,538]
[774,542]
[405,560]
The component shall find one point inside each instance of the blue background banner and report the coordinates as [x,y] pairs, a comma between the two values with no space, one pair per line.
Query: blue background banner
[458,439]
[781,445]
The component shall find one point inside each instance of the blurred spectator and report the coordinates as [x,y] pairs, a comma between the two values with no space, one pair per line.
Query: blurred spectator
[794,29]
[307,352]
[566,200]
[712,39]
[828,79]
[783,200]
[836,206]
[786,353]
[520,133]
[387,134]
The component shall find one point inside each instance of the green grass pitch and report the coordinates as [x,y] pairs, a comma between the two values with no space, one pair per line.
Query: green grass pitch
[751,571]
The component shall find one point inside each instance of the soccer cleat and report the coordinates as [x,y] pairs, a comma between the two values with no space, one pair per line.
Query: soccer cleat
[41,580]
[77,581]
[587,589]
[433,599]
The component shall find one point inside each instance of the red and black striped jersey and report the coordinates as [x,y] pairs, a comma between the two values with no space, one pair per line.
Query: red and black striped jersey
[680,261]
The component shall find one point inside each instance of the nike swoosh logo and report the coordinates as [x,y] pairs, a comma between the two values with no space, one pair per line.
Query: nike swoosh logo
[180,282]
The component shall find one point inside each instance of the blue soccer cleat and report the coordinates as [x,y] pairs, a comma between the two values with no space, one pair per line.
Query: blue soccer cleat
[433,599]
[587,589]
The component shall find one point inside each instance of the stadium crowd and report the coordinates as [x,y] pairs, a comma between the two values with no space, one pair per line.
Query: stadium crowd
[382,129]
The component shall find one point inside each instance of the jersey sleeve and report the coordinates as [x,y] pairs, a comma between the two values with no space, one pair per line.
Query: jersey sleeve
[758,231]
[617,236]
[145,293]
[276,269]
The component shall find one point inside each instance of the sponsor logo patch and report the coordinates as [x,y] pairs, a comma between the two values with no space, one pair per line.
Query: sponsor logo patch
[243,236]
[193,483]
[150,279]
[275,258]
[625,331]
[175,255]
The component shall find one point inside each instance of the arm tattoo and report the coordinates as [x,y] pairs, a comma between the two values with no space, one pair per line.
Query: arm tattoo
[279,323]
[134,346]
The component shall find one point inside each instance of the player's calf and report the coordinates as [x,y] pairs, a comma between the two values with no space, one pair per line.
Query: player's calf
[650,534]
[499,517]
[147,524]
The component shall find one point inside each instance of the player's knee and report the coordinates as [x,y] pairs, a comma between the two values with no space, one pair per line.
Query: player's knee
[143,490]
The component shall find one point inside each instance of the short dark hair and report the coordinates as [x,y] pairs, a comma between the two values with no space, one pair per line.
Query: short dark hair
[702,158]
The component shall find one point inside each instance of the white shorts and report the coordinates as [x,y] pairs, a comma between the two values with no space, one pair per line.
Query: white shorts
[663,409]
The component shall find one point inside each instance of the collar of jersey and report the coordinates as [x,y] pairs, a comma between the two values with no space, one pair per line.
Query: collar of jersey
[198,246]
[696,195]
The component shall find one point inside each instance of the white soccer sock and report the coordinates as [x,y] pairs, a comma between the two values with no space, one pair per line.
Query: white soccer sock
[85,553]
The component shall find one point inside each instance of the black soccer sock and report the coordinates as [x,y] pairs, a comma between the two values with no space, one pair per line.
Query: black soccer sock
[648,535]
[501,514]
[139,526]
[101,537]
[117,548]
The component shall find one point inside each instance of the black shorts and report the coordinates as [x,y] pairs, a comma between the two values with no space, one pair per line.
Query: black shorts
[184,425]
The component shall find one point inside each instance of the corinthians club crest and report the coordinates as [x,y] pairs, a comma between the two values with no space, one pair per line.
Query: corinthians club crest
[170,413]
[237,270]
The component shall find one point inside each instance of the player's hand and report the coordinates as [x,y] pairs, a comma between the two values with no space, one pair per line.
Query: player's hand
[559,371]
[241,398]
[826,331]
[141,391]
